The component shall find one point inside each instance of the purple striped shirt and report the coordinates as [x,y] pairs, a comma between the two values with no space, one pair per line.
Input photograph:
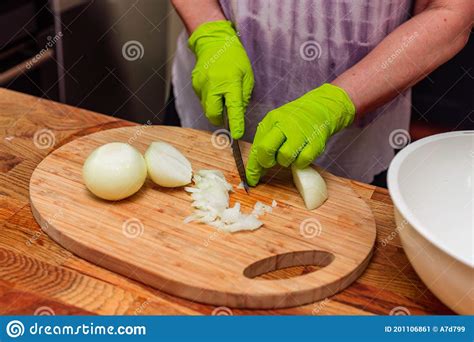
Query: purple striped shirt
[296,46]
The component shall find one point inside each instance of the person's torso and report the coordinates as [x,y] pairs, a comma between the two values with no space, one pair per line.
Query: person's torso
[295,46]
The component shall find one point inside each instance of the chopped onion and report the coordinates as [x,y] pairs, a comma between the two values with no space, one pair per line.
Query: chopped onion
[260,209]
[231,215]
[311,186]
[211,200]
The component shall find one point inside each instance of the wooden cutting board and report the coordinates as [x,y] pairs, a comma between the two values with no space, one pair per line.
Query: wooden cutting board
[143,237]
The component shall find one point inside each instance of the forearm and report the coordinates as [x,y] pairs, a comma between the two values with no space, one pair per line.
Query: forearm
[408,54]
[194,13]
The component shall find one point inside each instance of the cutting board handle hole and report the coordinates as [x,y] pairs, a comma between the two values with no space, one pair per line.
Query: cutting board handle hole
[289,265]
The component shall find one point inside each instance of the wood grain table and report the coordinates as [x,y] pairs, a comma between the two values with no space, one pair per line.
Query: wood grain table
[37,275]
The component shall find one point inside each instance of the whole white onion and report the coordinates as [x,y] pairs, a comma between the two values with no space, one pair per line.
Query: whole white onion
[114,171]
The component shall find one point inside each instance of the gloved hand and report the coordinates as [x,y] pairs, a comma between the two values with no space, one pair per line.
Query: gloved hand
[297,131]
[222,72]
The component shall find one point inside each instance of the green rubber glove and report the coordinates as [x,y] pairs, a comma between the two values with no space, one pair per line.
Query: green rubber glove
[222,73]
[297,131]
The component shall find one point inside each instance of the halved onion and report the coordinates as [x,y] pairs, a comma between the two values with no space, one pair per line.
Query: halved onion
[114,171]
[311,186]
[167,166]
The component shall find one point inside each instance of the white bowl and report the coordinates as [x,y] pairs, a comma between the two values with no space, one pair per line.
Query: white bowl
[431,185]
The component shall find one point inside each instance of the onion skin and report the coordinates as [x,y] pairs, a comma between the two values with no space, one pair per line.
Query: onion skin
[114,171]
[167,166]
[311,186]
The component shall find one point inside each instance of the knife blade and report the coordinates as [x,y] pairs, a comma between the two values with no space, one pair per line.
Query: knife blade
[236,152]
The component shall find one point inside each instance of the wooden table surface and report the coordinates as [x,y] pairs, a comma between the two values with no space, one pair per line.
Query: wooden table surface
[37,275]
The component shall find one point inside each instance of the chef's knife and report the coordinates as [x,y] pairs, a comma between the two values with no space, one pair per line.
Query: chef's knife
[236,152]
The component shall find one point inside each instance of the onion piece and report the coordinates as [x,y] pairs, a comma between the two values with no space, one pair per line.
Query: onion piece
[189,189]
[231,215]
[260,209]
[211,200]
[167,166]
[311,186]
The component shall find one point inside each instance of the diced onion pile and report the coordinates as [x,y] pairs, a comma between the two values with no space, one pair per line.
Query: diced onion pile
[211,202]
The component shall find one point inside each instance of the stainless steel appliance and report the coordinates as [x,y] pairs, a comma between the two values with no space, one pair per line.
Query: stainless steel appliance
[115,56]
